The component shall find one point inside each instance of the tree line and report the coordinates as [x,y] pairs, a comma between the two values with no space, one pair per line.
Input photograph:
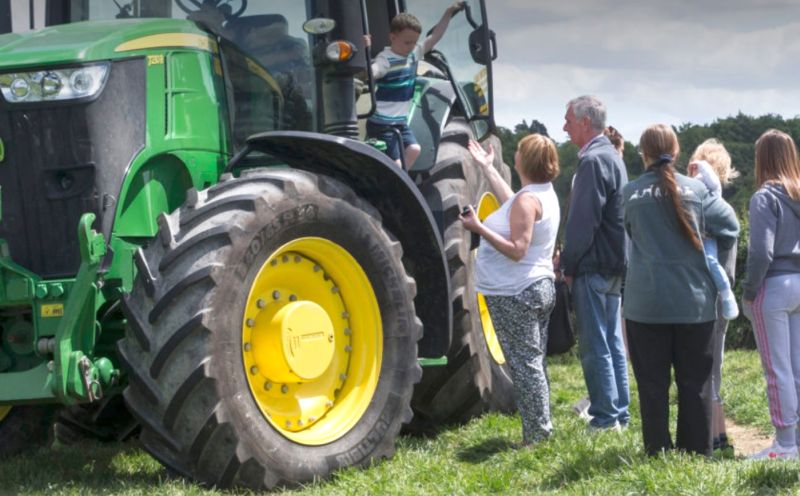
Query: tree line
[738,133]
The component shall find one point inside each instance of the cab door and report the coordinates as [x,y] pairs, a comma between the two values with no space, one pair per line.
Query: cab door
[465,52]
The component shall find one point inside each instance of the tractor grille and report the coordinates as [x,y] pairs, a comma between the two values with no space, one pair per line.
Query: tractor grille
[63,159]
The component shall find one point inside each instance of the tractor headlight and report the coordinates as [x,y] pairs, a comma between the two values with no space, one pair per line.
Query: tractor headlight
[56,84]
[19,89]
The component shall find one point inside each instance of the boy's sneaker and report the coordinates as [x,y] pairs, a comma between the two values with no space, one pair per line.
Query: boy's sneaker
[730,310]
[775,452]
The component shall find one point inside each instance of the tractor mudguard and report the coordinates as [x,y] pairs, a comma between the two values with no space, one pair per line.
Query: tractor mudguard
[377,179]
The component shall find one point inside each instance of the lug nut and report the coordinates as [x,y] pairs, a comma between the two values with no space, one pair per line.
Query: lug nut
[248,347]
[274,262]
[329,403]
[251,322]
[317,268]
[254,370]
[297,259]
[268,386]
[347,331]
[288,423]
[335,289]
[261,303]
[348,349]
[284,389]
[345,315]
[343,376]
[292,297]
[276,295]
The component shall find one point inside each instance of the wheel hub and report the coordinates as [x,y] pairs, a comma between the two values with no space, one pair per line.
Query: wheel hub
[298,343]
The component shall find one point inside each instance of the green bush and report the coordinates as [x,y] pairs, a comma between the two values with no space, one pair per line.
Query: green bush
[740,332]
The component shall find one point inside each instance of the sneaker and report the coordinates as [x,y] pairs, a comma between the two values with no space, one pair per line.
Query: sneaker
[775,452]
[616,427]
[730,310]
[581,409]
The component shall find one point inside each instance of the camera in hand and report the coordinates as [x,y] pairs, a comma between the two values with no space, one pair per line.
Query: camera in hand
[475,238]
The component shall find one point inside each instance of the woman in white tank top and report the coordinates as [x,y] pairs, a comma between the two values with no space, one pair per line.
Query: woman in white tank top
[514,271]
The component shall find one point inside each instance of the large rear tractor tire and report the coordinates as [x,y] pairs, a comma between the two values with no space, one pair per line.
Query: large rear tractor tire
[25,428]
[476,378]
[273,336]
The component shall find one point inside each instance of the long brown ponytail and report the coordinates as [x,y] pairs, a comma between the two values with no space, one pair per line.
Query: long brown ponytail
[659,146]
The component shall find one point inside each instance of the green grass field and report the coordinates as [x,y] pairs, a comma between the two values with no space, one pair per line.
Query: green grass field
[478,458]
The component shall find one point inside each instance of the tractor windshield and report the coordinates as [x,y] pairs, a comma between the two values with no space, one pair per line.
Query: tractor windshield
[271,33]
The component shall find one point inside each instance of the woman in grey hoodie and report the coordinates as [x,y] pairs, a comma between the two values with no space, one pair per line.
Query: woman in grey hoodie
[771,297]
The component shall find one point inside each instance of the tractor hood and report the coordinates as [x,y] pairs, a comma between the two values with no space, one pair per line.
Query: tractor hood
[97,40]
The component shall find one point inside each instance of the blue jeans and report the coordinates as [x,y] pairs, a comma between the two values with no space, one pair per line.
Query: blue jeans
[384,132]
[596,299]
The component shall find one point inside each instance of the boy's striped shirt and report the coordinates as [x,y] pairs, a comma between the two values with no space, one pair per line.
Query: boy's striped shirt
[395,79]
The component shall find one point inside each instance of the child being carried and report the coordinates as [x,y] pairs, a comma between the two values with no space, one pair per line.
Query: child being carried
[711,164]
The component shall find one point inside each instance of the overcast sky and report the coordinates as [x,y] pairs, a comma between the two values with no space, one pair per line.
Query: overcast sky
[672,61]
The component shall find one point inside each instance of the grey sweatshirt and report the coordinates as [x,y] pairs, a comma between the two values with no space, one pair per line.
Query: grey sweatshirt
[774,247]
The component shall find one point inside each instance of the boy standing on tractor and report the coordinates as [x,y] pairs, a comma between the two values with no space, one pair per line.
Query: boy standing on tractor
[395,73]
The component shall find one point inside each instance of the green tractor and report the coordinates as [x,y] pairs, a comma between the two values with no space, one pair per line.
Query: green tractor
[197,247]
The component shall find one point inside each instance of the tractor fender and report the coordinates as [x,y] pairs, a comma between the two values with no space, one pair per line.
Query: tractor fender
[149,188]
[378,179]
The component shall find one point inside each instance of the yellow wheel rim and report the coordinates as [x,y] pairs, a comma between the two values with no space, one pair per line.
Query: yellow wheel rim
[312,341]
[488,204]
[4,411]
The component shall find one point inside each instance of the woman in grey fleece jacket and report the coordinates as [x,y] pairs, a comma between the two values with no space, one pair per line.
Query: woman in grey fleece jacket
[670,299]
[771,297]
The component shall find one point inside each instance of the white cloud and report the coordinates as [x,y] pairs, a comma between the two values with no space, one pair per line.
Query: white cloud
[676,62]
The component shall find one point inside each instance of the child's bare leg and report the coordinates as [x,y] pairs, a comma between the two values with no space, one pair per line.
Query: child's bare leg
[412,153]
[719,419]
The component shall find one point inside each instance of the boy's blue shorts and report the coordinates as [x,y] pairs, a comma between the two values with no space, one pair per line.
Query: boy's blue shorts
[385,133]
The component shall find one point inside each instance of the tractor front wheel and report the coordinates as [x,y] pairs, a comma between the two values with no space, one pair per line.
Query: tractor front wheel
[273,337]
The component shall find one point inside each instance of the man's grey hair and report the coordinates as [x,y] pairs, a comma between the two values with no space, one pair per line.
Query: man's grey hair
[589,106]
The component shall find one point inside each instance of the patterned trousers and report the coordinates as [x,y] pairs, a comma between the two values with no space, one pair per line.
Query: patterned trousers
[520,322]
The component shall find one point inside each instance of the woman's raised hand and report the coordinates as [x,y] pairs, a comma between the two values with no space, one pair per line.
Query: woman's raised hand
[483,157]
